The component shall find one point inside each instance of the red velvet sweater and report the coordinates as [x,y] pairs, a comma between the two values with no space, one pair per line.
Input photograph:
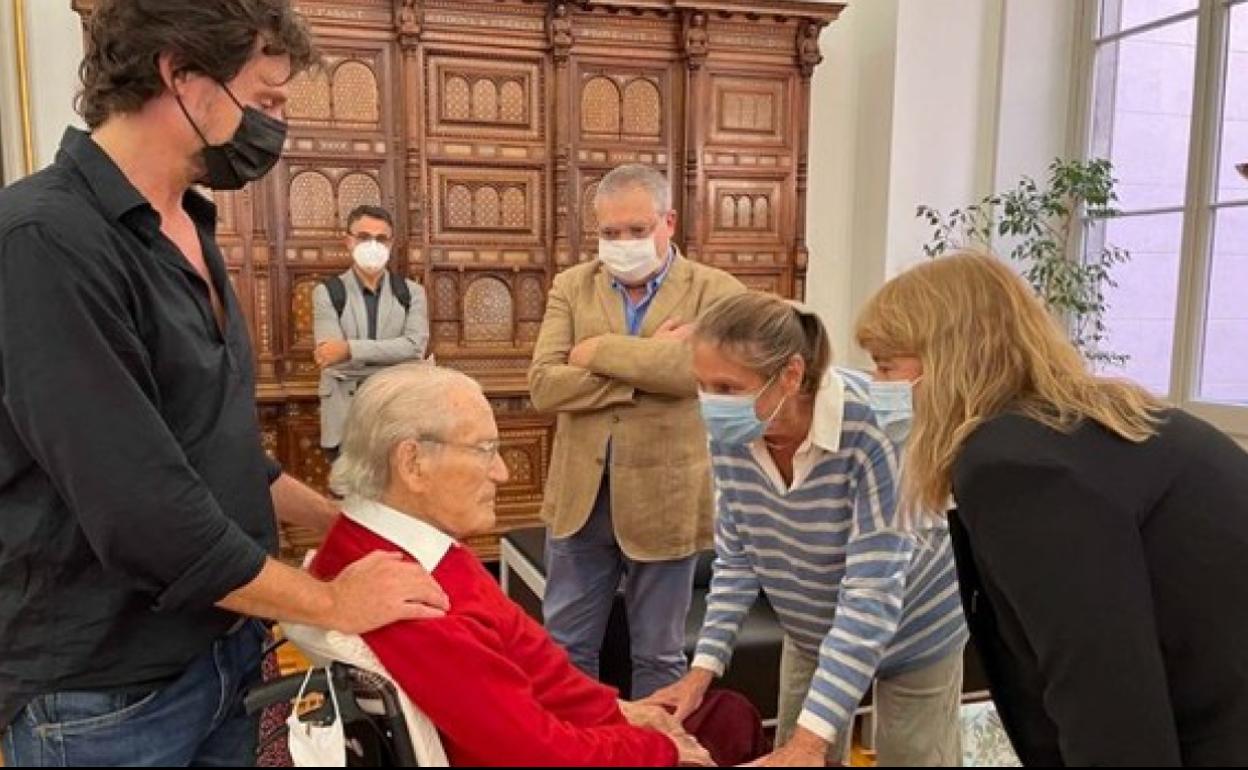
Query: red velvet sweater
[498,689]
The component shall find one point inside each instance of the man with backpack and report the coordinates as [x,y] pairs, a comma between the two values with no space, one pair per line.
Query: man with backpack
[365,319]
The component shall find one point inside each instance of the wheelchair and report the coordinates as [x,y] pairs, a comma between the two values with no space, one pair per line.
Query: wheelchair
[381,727]
[372,718]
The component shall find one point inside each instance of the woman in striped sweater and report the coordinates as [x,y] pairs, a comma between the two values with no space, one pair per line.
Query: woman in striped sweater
[805,480]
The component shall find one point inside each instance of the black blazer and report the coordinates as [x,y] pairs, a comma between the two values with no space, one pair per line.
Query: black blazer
[1106,587]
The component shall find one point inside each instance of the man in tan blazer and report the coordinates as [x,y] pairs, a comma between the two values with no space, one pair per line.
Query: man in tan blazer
[629,490]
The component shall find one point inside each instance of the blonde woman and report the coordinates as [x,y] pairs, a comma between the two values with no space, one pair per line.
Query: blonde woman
[1101,538]
[805,480]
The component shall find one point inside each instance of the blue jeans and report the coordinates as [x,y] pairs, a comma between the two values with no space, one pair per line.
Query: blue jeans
[582,574]
[197,720]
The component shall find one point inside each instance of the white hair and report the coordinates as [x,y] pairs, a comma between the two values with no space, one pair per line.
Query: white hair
[634,176]
[407,402]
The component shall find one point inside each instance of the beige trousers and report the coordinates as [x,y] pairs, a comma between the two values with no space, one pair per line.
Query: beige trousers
[916,713]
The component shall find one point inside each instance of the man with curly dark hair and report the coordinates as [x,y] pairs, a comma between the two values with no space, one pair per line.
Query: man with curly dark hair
[138,504]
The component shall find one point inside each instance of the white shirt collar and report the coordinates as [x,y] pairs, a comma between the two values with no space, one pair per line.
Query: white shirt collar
[825,434]
[423,542]
[825,425]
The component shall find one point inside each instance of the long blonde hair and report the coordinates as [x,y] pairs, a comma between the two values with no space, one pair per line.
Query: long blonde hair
[987,345]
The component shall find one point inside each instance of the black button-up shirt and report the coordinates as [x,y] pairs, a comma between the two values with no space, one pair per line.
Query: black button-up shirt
[372,300]
[134,492]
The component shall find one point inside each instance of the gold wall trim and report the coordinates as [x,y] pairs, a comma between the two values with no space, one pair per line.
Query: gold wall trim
[23,84]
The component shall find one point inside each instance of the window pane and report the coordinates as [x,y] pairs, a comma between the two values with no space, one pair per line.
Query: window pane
[1231,184]
[1140,318]
[1124,14]
[1224,375]
[1141,113]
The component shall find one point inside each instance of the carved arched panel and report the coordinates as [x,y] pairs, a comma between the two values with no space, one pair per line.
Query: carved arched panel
[643,109]
[600,107]
[511,102]
[486,208]
[515,209]
[727,212]
[445,298]
[745,211]
[309,97]
[532,302]
[456,99]
[762,213]
[355,93]
[312,202]
[459,207]
[356,189]
[488,316]
[485,100]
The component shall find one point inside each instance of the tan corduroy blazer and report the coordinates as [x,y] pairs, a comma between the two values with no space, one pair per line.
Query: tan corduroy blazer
[639,396]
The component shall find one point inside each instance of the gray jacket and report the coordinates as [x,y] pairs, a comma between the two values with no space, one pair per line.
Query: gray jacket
[399,339]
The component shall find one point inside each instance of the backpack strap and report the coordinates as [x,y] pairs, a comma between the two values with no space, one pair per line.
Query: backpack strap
[398,287]
[337,293]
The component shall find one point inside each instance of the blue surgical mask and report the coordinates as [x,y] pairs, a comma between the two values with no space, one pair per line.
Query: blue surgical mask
[732,419]
[893,404]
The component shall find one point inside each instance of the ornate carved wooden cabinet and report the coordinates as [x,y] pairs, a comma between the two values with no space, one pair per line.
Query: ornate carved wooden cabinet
[485,126]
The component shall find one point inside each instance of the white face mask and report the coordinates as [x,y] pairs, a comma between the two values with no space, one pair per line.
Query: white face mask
[317,745]
[631,261]
[371,256]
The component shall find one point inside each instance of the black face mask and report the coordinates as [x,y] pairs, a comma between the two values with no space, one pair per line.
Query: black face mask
[250,153]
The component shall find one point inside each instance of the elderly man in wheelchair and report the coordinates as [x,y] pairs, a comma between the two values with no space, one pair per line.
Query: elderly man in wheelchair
[419,468]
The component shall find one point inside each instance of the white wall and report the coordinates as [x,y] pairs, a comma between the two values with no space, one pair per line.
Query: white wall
[942,115]
[53,50]
[923,101]
[11,161]
[850,145]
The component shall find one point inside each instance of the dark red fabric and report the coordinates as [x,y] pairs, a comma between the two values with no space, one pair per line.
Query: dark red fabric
[729,727]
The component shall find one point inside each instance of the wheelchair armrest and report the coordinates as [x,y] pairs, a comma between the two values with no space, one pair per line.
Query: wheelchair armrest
[282,690]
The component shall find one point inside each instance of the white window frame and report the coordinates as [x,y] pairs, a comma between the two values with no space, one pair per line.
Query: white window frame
[1212,33]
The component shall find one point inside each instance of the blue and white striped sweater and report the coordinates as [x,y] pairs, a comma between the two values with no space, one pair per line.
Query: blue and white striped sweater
[846,583]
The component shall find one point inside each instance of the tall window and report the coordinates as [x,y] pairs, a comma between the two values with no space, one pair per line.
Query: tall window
[1168,104]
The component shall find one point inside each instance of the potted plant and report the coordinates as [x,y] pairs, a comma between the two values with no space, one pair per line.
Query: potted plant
[1042,224]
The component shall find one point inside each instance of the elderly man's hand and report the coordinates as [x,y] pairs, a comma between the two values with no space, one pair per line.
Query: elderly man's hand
[331,352]
[641,714]
[690,753]
[381,589]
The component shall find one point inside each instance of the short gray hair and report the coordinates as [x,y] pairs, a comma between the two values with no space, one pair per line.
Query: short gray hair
[407,402]
[633,176]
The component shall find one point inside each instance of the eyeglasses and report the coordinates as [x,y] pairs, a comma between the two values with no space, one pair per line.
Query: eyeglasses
[486,450]
[633,231]
[384,240]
